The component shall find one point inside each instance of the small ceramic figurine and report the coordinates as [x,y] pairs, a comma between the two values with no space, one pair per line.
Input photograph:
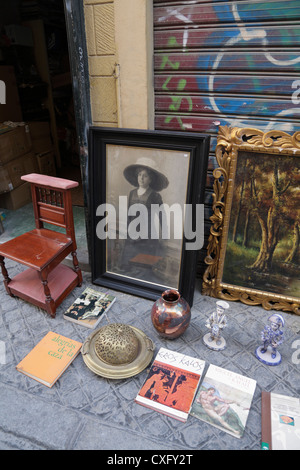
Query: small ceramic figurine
[272,337]
[216,322]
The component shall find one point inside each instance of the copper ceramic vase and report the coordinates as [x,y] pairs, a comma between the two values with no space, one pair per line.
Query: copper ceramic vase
[171,314]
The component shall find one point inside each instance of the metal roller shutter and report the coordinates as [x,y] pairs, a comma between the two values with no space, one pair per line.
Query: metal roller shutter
[232,63]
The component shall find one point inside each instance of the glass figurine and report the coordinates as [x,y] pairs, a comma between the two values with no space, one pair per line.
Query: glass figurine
[216,323]
[272,337]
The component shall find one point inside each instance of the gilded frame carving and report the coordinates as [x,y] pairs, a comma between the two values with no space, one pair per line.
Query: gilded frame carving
[237,147]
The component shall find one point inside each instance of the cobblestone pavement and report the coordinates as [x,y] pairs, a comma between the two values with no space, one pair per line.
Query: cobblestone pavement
[85,411]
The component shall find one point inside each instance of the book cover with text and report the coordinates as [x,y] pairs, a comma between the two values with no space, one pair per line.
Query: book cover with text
[89,308]
[224,400]
[49,358]
[280,422]
[171,384]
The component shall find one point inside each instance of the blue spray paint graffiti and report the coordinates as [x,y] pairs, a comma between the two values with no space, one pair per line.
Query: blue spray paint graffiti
[245,72]
[268,61]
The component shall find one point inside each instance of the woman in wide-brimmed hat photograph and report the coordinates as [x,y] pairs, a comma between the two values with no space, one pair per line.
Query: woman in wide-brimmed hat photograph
[146,246]
[147,182]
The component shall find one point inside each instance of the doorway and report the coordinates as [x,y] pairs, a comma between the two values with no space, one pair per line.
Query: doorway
[34,42]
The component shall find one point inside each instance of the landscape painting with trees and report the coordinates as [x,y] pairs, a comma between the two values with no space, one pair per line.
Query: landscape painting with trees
[263,239]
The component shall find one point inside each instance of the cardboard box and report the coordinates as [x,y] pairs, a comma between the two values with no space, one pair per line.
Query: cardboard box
[40,136]
[16,198]
[43,145]
[14,143]
[46,163]
[10,174]
[30,164]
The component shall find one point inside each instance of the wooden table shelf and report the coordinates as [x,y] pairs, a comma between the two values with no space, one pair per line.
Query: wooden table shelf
[27,285]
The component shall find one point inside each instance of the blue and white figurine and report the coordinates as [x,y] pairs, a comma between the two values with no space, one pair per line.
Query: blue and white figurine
[272,337]
[216,323]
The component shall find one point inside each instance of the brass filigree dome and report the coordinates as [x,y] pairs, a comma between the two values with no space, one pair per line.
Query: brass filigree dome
[116,344]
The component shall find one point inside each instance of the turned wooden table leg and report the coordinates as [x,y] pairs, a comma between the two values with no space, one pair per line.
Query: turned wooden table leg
[76,267]
[5,275]
[49,302]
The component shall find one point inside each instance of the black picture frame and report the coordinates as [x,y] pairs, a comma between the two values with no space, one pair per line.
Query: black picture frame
[168,149]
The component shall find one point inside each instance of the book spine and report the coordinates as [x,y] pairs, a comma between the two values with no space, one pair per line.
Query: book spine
[266,431]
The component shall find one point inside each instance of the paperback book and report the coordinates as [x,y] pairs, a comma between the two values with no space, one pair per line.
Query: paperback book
[88,309]
[280,422]
[171,384]
[224,400]
[49,358]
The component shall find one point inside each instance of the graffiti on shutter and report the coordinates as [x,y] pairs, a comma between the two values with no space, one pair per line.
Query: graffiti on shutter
[232,63]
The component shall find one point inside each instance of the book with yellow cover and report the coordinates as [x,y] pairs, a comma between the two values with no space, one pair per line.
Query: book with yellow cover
[49,358]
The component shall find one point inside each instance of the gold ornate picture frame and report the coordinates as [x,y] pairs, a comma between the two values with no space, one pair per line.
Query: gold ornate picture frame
[253,251]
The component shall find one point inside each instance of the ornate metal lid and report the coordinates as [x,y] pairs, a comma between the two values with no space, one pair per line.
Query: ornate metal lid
[116,344]
[117,351]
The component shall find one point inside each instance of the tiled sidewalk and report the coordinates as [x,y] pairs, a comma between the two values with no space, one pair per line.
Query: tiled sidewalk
[85,411]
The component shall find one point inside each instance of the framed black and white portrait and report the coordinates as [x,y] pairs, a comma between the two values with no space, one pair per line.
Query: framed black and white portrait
[146,209]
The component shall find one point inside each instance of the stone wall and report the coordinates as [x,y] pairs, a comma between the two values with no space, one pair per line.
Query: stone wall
[120,50]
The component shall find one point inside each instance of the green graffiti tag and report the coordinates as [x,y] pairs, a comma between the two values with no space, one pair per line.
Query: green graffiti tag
[176,100]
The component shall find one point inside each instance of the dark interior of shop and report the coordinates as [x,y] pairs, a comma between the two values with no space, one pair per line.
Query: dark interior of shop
[35,67]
